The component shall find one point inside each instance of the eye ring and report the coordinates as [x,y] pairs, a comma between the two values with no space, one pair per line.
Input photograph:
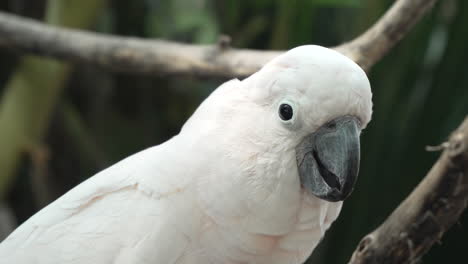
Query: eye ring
[285,112]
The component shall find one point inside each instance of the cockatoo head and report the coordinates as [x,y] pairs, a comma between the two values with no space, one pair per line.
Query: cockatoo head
[308,106]
[319,101]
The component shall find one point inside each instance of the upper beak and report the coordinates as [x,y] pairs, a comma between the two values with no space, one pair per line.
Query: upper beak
[328,159]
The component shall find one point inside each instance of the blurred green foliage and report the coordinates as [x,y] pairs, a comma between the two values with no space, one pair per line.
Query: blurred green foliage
[420,96]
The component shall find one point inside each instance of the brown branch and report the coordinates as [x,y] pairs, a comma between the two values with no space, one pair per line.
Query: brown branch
[372,45]
[431,209]
[165,57]
[128,54]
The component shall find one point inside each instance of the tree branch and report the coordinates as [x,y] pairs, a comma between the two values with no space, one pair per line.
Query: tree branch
[371,46]
[172,58]
[431,209]
[128,54]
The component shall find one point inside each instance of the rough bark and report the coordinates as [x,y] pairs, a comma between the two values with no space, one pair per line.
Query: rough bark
[431,209]
[166,57]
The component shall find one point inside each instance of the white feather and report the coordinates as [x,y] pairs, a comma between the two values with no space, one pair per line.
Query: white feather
[225,190]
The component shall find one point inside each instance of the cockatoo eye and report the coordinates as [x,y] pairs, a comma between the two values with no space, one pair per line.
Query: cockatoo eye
[285,112]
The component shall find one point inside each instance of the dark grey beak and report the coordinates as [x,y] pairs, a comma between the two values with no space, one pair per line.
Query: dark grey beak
[328,159]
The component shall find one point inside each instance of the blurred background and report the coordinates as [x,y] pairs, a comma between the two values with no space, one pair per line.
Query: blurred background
[61,123]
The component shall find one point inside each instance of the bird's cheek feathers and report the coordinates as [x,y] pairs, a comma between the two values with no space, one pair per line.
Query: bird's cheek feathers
[261,194]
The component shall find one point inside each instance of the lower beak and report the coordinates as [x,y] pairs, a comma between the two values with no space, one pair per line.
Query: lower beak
[328,159]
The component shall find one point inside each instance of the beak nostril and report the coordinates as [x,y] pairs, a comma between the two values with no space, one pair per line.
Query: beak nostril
[331,125]
[330,178]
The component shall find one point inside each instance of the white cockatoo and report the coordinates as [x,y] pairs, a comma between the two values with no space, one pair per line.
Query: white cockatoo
[256,175]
